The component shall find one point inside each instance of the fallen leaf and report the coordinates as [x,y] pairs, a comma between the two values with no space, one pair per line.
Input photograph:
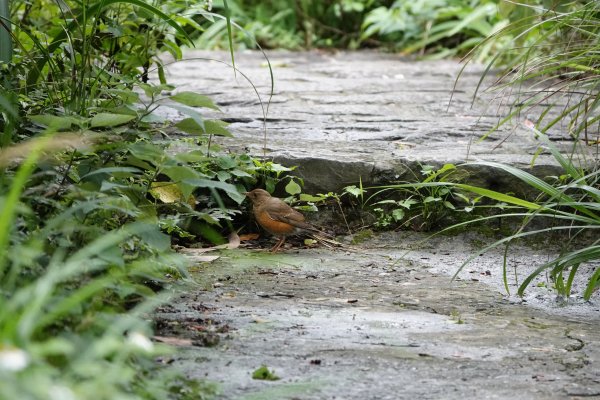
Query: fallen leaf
[173,341]
[234,241]
[249,236]
[201,258]
[259,320]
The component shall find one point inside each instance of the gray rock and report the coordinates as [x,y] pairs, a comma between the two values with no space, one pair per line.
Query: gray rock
[378,117]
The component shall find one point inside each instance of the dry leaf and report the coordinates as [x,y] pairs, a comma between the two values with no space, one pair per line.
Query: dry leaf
[234,241]
[173,341]
[169,193]
[166,192]
[202,258]
[249,236]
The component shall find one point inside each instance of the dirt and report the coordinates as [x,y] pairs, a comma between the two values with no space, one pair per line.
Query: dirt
[372,321]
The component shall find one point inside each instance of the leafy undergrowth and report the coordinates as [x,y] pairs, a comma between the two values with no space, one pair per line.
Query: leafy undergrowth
[91,198]
[566,207]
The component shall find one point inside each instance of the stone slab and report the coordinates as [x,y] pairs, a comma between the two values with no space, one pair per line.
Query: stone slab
[341,116]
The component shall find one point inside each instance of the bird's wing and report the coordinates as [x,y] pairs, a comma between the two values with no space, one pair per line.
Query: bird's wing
[280,211]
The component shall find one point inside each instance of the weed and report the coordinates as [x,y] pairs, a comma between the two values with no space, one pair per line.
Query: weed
[263,373]
[456,317]
[422,205]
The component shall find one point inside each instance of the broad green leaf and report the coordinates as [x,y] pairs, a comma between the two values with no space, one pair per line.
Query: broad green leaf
[156,239]
[407,203]
[228,188]
[189,125]
[155,90]
[194,100]
[240,173]
[195,115]
[179,174]
[192,156]
[216,127]
[398,214]
[153,118]
[292,187]
[223,176]
[209,127]
[106,120]
[121,171]
[147,152]
[53,121]
[353,190]
[310,197]
[270,184]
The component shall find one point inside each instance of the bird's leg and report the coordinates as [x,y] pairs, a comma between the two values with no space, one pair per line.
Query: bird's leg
[278,244]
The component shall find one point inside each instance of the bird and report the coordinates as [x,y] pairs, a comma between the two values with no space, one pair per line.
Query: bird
[277,217]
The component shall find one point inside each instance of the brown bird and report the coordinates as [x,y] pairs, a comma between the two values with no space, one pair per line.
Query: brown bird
[276,217]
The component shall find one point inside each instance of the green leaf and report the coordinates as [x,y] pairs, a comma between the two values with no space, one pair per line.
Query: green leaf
[180,174]
[270,184]
[593,283]
[105,120]
[310,197]
[147,152]
[398,214]
[449,205]
[223,176]
[156,239]
[194,100]
[353,190]
[53,121]
[195,115]
[211,127]
[240,173]
[228,188]
[189,125]
[216,127]
[117,171]
[292,187]
[500,196]
[407,203]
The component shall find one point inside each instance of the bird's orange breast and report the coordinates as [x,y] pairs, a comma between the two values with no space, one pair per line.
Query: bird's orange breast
[272,226]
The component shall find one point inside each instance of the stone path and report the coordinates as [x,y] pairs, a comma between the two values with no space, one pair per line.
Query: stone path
[365,324]
[350,115]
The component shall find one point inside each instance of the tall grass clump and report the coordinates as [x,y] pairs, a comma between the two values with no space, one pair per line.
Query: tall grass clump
[551,73]
[91,199]
[568,208]
[550,83]
[73,302]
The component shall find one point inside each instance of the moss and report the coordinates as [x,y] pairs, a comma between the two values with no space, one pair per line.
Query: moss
[362,235]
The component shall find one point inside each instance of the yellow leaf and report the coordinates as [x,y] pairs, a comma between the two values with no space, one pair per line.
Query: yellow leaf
[166,192]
